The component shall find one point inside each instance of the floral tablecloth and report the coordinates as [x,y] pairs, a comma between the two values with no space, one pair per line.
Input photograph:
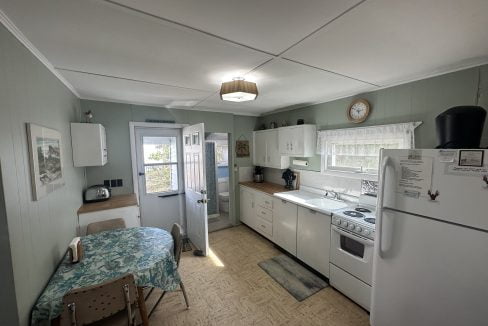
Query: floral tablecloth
[145,252]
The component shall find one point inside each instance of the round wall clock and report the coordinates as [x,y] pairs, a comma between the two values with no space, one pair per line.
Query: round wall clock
[358,111]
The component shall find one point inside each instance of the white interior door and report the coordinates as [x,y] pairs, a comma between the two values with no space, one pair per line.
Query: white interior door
[160,176]
[195,186]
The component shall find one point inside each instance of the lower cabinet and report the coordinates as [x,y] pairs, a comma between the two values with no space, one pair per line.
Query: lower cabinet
[285,225]
[313,239]
[302,232]
[247,206]
[257,211]
[130,214]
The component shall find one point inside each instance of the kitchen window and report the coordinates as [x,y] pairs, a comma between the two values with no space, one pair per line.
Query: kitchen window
[358,149]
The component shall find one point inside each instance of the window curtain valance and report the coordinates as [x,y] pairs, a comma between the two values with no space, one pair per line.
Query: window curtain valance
[403,131]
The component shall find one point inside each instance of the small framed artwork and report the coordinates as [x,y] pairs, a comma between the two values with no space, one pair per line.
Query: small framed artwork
[242,148]
[471,157]
[46,160]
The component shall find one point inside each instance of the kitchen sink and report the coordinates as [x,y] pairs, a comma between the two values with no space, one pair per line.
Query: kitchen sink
[327,204]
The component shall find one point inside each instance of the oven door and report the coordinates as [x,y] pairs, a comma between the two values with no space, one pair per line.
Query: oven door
[352,253]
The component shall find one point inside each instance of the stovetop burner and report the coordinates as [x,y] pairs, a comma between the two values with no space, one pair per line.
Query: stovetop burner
[370,220]
[353,214]
[363,210]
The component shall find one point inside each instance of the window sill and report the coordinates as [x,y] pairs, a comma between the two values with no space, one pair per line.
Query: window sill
[351,175]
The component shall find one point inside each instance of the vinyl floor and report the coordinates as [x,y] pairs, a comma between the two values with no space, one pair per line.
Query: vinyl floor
[229,288]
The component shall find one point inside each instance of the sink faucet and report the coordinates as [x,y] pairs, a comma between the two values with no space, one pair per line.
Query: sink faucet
[335,195]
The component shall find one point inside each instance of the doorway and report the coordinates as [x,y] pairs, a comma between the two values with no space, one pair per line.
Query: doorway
[168,168]
[159,160]
[218,181]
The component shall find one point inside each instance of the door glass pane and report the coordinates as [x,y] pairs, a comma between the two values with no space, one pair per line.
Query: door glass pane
[352,246]
[161,178]
[159,149]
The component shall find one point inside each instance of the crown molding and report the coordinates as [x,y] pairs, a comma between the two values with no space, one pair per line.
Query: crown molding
[5,20]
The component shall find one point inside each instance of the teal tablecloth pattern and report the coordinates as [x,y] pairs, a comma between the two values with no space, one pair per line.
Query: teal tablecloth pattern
[145,252]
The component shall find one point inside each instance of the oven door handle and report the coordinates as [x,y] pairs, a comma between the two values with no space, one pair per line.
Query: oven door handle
[366,242]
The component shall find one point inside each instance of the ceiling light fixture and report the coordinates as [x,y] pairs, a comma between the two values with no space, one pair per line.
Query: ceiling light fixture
[238,90]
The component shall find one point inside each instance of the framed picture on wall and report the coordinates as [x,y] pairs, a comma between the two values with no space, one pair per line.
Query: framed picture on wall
[242,148]
[46,160]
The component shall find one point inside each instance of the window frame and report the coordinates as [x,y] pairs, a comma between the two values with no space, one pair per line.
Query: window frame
[369,174]
[179,163]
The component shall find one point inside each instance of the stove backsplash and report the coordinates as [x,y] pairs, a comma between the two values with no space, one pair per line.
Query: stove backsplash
[369,187]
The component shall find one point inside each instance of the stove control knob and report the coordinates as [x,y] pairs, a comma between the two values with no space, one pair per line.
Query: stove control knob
[359,229]
[345,224]
[351,227]
[366,232]
[338,221]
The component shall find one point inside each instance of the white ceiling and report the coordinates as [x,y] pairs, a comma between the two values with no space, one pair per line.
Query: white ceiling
[176,53]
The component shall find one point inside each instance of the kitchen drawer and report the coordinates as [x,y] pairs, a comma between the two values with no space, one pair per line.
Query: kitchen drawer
[265,213]
[264,227]
[264,201]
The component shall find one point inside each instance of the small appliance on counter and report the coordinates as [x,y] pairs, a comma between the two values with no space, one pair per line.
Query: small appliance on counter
[258,174]
[289,177]
[96,193]
[460,127]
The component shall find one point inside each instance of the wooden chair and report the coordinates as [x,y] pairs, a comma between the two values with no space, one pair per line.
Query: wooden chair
[177,248]
[112,303]
[97,227]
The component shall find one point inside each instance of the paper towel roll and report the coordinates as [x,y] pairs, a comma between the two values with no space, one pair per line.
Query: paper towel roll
[300,162]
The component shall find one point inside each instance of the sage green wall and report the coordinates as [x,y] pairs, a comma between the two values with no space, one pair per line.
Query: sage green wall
[38,231]
[116,117]
[416,101]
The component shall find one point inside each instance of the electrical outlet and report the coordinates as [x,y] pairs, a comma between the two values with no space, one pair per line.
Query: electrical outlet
[106,183]
[113,183]
[120,183]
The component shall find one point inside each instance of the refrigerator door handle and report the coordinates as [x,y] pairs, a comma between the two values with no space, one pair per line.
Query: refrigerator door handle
[384,166]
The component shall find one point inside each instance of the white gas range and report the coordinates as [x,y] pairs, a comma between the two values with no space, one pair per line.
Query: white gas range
[351,252]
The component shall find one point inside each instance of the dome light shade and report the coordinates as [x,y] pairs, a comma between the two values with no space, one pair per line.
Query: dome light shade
[238,90]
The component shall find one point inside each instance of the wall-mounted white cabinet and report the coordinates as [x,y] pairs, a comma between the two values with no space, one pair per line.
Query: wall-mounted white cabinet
[266,150]
[298,140]
[313,239]
[89,143]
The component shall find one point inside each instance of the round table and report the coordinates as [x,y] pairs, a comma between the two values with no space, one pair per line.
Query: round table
[145,252]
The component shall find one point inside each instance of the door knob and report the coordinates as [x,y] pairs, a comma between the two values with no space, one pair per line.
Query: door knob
[141,174]
[202,201]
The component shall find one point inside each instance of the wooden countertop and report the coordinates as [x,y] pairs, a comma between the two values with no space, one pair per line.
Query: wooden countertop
[114,202]
[267,187]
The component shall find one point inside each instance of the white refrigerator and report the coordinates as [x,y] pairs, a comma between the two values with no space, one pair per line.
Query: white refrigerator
[430,263]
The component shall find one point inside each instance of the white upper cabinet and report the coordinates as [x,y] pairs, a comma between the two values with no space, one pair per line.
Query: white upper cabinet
[89,143]
[266,150]
[298,140]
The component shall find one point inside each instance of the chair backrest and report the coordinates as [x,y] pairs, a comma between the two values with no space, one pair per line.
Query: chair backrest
[96,227]
[177,242]
[98,302]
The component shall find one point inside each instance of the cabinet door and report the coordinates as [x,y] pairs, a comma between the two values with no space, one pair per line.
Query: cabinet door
[284,141]
[296,141]
[247,206]
[285,225]
[259,157]
[273,153]
[313,239]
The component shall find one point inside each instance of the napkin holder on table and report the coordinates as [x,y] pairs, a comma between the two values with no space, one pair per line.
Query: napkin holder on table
[75,250]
